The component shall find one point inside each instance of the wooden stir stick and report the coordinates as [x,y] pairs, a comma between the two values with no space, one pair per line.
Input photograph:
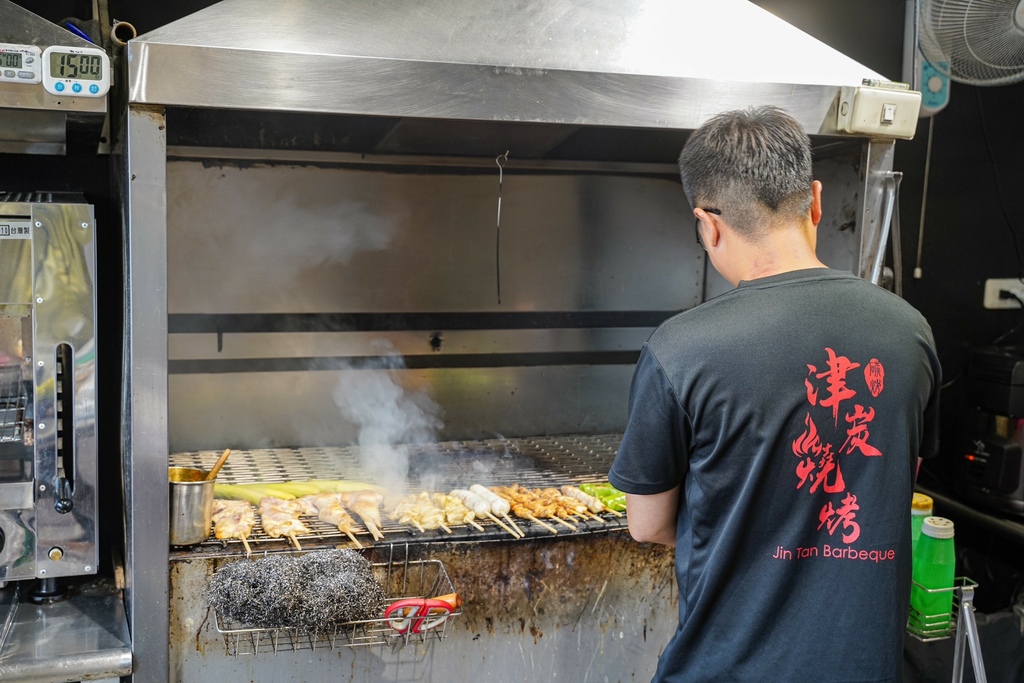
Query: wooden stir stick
[220,463]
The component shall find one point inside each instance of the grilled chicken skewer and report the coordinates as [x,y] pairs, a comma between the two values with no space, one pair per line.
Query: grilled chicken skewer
[544,503]
[420,512]
[233,519]
[455,511]
[404,512]
[521,510]
[529,502]
[281,518]
[330,510]
[480,507]
[567,503]
[366,504]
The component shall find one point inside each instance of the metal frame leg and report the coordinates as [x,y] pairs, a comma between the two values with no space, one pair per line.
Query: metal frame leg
[967,633]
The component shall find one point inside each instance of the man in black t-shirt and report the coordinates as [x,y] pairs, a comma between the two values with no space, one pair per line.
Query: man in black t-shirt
[774,431]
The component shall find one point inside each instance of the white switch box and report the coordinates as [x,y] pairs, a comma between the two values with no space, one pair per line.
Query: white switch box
[995,285]
[885,112]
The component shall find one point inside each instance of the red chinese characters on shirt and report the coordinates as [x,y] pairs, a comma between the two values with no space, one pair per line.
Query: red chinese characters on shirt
[819,467]
[832,518]
[835,377]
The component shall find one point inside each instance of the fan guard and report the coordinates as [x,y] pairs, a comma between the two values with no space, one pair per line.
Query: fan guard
[979,42]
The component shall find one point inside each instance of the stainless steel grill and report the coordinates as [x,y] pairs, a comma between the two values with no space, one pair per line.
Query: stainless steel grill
[532,462]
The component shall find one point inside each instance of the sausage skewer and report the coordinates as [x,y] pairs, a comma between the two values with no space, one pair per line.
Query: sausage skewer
[480,507]
[499,505]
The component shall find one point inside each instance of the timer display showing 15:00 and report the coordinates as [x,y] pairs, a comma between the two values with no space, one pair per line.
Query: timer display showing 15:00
[83,67]
[76,71]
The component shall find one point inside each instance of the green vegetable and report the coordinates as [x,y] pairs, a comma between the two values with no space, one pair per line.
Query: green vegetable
[610,497]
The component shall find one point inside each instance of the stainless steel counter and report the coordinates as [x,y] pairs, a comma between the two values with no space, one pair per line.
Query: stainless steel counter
[83,637]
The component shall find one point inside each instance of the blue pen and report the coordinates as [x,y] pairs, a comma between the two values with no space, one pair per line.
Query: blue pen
[77,31]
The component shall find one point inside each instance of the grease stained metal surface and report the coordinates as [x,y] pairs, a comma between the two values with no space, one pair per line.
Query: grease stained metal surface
[581,609]
[585,606]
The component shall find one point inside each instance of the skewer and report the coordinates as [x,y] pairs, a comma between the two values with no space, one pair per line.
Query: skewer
[546,526]
[469,521]
[503,526]
[419,526]
[593,516]
[248,550]
[354,539]
[614,512]
[510,521]
[445,527]
[295,541]
[374,531]
[565,523]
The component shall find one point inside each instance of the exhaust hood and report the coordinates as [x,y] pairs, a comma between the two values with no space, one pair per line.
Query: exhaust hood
[641,64]
[33,120]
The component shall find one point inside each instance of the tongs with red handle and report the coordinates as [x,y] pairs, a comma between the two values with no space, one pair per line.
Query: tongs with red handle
[416,615]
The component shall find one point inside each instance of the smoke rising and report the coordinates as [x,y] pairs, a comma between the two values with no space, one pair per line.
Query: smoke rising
[388,418]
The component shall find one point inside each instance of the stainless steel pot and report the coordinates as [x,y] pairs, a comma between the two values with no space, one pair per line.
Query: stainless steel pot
[191,499]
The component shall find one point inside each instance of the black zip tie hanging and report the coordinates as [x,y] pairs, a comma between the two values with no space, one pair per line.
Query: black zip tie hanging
[497,238]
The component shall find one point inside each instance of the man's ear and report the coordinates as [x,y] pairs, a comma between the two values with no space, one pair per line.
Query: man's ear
[712,231]
[816,202]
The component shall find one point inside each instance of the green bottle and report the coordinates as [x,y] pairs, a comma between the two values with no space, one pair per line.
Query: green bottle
[920,507]
[931,595]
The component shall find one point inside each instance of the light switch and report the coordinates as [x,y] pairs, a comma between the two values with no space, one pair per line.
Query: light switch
[875,111]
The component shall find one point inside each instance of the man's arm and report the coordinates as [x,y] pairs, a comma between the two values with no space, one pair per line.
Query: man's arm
[652,519]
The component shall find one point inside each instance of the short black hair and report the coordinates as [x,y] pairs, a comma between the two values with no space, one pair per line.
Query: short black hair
[752,164]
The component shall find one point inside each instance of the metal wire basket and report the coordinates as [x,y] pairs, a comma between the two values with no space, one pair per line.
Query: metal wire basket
[400,579]
[959,621]
[929,627]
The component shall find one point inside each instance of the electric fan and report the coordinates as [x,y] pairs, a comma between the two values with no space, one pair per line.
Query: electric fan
[978,42]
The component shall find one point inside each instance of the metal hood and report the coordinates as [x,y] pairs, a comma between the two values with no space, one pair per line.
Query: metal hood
[632,63]
[31,119]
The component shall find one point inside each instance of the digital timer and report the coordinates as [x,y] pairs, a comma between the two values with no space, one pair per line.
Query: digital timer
[20,63]
[76,71]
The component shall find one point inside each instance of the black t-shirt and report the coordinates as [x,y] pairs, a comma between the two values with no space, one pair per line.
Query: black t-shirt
[791,410]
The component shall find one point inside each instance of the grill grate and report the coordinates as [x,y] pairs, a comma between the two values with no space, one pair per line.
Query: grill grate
[533,462]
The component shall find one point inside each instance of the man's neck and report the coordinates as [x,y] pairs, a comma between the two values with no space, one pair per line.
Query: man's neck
[781,251]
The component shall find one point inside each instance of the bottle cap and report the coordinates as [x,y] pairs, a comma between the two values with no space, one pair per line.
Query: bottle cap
[921,504]
[937,527]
